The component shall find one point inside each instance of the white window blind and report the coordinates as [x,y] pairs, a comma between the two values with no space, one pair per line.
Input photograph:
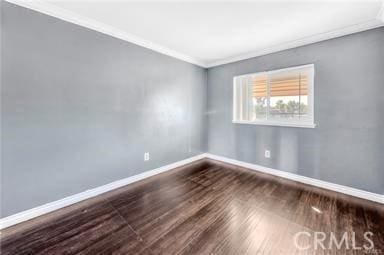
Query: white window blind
[280,97]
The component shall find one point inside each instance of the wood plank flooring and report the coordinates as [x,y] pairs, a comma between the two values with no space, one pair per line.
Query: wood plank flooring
[207,207]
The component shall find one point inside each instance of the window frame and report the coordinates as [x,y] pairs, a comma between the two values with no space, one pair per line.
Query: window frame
[307,123]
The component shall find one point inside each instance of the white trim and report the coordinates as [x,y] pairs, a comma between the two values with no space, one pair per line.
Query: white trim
[303,179]
[63,14]
[370,24]
[276,123]
[49,207]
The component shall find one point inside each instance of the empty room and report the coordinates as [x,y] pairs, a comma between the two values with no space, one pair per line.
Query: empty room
[192,127]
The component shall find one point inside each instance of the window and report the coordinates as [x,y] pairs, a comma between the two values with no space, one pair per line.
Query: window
[281,97]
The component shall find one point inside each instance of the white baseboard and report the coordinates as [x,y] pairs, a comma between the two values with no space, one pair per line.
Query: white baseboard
[303,179]
[49,207]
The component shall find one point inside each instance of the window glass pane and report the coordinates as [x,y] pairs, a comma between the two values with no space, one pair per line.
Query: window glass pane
[258,97]
[276,96]
[289,95]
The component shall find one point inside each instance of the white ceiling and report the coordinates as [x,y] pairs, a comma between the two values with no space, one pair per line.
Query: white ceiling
[213,33]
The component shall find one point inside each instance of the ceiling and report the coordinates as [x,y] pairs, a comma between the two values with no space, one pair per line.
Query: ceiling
[216,32]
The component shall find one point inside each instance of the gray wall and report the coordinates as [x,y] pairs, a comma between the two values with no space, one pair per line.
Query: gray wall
[347,146]
[80,108]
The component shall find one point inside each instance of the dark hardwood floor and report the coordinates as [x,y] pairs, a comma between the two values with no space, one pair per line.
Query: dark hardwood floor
[207,207]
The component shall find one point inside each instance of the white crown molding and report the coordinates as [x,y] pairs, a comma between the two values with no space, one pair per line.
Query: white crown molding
[58,204]
[370,24]
[303,179]
[63,14]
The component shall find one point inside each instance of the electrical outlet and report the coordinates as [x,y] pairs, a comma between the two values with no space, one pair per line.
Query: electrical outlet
[267,154]
[146,156]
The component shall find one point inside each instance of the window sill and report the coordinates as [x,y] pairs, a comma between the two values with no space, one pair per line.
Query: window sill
[275,123]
